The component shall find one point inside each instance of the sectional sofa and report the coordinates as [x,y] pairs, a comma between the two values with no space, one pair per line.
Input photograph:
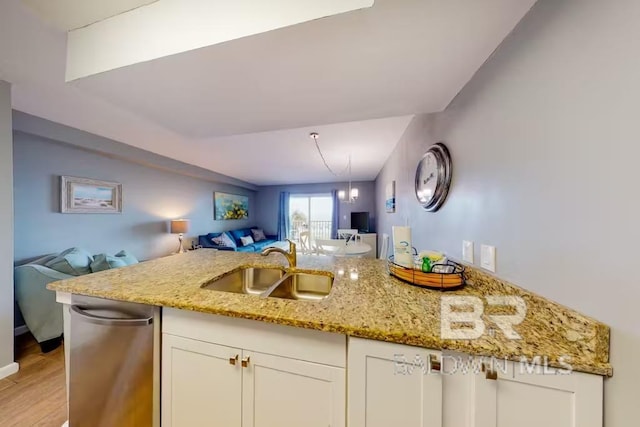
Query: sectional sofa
[206,241]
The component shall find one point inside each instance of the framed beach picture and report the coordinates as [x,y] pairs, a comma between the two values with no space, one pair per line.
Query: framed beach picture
[84,195]
[230,206]
[390,197]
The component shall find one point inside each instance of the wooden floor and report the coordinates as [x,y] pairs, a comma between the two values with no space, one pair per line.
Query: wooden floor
[36,395]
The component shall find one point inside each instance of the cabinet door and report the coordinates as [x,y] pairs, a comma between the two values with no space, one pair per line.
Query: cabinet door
[533,399]
[392,385]
[201,384]
[283,392]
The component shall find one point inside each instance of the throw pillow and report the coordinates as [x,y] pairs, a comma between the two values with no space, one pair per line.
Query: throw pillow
[127,257]
[106,262]
[73,261]
[224,240]
[258,234]
[246,240]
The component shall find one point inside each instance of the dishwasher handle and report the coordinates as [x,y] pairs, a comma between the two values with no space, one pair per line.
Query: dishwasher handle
[110,321]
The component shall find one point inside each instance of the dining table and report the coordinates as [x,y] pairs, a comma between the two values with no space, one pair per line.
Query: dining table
[341,247]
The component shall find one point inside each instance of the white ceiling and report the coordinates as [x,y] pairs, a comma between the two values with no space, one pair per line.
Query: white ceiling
[290,156]
[71,14]
[398,58]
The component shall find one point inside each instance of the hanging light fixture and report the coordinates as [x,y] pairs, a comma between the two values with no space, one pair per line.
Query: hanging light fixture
[352,193]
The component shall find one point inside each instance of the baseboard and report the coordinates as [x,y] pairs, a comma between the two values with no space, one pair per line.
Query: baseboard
[10,369]
[22,329]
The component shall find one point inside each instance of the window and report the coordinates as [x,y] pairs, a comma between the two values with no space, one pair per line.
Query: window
[310,213]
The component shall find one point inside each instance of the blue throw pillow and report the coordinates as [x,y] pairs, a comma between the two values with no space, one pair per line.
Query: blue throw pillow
[74,261]
[106,262]
[238,234]
[127,257]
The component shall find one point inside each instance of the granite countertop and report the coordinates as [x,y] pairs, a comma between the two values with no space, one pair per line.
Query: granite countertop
[365,302]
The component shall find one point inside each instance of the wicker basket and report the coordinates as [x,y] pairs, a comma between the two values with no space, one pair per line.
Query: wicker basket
[441,281]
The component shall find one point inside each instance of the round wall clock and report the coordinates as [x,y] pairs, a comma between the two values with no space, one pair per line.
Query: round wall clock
[433,177]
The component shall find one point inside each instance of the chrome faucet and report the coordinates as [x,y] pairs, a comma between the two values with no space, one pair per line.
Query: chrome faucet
[291,255]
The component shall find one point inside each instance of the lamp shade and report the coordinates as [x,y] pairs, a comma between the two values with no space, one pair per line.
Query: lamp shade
[179,226]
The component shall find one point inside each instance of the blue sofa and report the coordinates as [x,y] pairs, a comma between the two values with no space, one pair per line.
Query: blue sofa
[206,241]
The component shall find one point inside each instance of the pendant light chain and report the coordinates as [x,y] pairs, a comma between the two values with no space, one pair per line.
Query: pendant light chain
[352,194]
[326,165]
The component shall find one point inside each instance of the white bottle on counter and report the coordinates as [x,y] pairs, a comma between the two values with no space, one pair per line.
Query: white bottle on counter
[402,250]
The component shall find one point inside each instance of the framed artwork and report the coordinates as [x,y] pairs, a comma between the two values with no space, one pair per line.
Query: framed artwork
[390,197]
[230,206]
[84,195]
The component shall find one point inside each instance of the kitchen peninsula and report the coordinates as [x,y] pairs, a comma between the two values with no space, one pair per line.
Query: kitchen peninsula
[276,361]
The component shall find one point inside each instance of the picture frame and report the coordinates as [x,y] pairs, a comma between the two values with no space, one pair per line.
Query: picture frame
[230,206]
[390,197]
[85,195]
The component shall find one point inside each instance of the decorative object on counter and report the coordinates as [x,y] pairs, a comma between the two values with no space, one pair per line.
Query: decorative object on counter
[179,227]
[84,195]
[230,206]
[402,250]
[445,277]
[352,193]
[433,177]
[390,197]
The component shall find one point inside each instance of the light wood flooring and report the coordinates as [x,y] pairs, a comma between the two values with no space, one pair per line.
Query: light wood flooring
[36,394]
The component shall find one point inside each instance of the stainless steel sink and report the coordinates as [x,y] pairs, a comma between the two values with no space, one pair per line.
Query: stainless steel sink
[249,280]
[303,286]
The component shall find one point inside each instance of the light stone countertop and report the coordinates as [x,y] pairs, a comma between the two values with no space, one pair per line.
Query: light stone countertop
[374,305]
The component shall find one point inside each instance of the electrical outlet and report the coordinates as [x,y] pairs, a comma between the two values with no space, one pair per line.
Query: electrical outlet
[467,251]
[488,258]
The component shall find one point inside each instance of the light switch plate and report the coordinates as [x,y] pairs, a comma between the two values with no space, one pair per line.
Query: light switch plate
[467,251]
[488,257]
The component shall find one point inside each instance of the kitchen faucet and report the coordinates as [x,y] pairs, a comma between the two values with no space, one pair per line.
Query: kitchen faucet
[291,255]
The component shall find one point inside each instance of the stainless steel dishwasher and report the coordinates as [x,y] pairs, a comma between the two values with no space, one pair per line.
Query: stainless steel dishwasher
[114,373]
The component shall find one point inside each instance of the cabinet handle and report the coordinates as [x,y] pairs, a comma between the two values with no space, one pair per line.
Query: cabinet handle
[490,374]
[434,363]
[233,360]
[245,361]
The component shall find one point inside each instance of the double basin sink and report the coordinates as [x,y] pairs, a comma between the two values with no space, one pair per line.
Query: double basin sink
[274,282]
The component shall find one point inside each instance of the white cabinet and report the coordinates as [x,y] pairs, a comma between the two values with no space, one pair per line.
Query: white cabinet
[201,382]
[517,397]
[218,371]
[221,371]
[393,385]
[282,392]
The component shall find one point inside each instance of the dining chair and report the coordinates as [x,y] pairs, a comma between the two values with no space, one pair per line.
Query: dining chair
[347,233]
[305,242]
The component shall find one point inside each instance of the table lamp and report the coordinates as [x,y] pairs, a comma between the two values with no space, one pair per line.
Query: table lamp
[179,227]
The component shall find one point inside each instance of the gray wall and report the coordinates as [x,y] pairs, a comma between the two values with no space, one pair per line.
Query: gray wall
[545,148]
[268,198]
[6,227]
[151,197]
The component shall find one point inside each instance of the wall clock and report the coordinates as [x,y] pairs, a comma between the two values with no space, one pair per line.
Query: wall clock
[433,177]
